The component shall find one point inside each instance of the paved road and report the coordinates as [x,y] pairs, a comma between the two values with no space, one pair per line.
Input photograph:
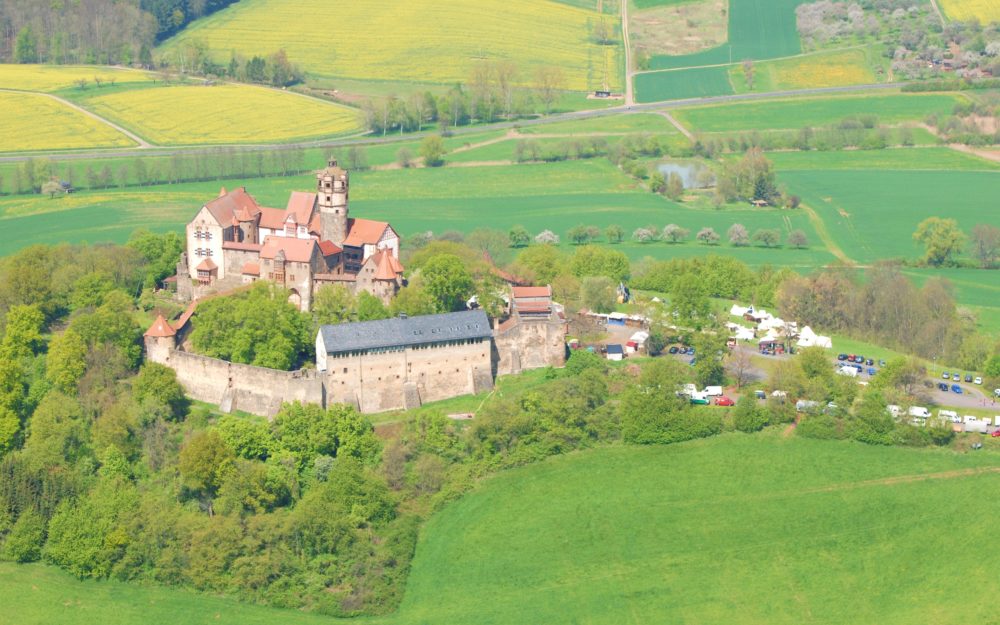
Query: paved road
[370,140]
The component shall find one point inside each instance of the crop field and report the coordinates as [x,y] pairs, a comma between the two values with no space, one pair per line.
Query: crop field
[983,10]
[423,41]
[196,114]
[737,529]
[800,112]
[929,158]
[831,69]
[758,29]
[682,84]
[679,27]
[56,77]
[31,121]
[872,214]
[555,196]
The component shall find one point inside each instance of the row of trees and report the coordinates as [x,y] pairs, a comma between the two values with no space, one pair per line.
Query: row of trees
[214,164]
[193,56]
[495,90]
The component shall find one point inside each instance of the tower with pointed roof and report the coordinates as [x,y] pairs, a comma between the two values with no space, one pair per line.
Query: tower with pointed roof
[331,197]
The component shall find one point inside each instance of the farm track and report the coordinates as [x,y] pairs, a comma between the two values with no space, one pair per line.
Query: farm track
[142,143]
[654,107]
[824,234]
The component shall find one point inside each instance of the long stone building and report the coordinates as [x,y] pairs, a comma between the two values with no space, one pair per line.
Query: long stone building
[382,365]
[234,240]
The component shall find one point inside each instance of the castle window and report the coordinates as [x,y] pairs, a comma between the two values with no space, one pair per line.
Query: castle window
[208,235]
[279,276]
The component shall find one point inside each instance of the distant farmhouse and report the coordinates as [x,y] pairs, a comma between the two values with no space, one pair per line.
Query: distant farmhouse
[375,366]
[233,240]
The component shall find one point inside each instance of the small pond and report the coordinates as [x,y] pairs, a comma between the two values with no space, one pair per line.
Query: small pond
[689,173]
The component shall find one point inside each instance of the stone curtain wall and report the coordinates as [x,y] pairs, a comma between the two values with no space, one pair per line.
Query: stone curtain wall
[530,344]
[233,386]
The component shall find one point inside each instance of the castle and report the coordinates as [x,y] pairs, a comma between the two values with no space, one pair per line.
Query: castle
[313,241]
[375,366]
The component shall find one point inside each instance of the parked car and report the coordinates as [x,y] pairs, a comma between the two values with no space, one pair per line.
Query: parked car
[841,356]
[995,434]
[955,388]
[871,371]
[701,401]
[692,361]
[996,392]
[673,349]
[869,362]
[881,362]
[978,380]
[945,376]
[943,386]
[724,401]
[859,359]
[956,377]
[759,394]
[968,378]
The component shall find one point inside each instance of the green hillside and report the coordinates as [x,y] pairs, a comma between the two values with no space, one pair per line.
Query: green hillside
[737,529]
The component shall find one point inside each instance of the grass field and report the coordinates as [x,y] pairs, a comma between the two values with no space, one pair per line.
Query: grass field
[930,158]
[554,196]
[758,29]
[420,41]
[682,84]
[799,112]
[830,69]
[196,114]
[619,124]
[55,77]
[31,121]
[983,10]
[872,214]
[738,529]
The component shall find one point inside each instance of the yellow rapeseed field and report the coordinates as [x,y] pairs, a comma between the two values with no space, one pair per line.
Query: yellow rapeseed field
[54,77]
[434,41]
[35,122]
[822,70]
[198,114]
[983,10]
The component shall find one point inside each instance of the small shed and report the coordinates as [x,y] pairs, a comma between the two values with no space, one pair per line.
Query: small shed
[616,352]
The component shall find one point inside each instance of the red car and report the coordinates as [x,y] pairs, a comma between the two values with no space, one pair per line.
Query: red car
[995,434]
[724,401]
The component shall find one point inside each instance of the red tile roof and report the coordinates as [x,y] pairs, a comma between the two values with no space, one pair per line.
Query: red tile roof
[328,248]
[532,291]
[160,328]
[364,232]
[301,205]
[296,250]
[225,207]
[272,218]
[206,265]
[383,266]
[251,269]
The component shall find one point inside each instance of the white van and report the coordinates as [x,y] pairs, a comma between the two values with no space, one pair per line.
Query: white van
[713,391]
[918,412]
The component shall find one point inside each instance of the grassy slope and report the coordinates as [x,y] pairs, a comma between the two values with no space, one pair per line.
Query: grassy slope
[737,529]
[36,122]
[421,41]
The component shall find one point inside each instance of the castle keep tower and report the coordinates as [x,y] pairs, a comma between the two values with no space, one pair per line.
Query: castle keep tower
[331,192]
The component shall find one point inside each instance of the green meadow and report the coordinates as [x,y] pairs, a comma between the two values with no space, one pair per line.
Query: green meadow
[738,529]
[681,84]
[800,112]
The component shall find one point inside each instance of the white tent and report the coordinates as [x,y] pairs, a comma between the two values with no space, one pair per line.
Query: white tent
[738,311]
[808,338]
[743,334]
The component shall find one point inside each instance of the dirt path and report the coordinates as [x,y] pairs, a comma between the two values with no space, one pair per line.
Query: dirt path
[510,134]
[820,227]
[629,95]
[679,126]
[76,107]
[990,155]
[937,10]
[904,479]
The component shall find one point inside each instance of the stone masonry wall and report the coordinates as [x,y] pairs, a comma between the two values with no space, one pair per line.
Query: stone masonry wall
[530,344]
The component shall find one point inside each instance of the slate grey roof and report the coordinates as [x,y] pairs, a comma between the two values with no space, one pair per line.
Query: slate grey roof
[405,332]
